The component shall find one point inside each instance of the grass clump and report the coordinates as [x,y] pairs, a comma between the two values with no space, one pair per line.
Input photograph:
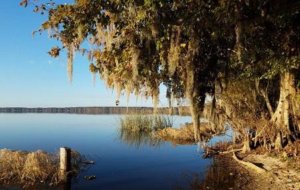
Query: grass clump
[137,130]
[32,168]
[145,123]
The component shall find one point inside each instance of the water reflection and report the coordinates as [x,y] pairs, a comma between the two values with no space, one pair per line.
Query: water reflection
[134,136]
[223,173]
[138,130]
[138,138]
[117,165]
[39,169]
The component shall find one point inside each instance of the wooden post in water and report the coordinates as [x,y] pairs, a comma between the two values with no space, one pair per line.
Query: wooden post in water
[65,163]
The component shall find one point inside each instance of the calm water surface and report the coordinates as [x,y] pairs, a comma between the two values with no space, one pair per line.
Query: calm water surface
[119,164]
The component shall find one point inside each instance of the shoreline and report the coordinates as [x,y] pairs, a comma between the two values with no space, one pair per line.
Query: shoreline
[263,170]
[277,174]
[184,110]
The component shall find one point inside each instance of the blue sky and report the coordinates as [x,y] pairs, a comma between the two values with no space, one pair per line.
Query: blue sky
[30,77]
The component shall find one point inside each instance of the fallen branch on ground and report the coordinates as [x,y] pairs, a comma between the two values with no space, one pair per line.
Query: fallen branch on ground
[248,165]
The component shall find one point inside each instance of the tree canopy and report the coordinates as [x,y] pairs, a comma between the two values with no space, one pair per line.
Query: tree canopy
[195,48]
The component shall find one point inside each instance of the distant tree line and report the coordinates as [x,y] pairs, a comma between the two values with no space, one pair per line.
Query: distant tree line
[97,110]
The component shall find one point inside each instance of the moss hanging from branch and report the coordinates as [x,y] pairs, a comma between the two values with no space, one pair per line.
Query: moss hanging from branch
[70,58]
[174,52]
[135,59]
[100,34]
[128,90]
[117,88]
[155,98]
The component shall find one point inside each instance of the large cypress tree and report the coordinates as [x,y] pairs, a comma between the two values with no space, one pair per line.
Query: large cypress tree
[195,47]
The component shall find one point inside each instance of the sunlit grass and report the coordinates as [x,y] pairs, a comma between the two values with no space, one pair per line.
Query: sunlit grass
[32,168]
[137,130]
[145,123]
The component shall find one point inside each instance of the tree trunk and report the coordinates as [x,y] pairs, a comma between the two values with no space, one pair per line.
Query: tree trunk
[239,31]
[281,116]
[264,94]
[268,103]
[196,120]
[278,141]
[192,90]
[246,147]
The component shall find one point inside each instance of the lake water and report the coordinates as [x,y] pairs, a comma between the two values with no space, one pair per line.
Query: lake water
[119,164]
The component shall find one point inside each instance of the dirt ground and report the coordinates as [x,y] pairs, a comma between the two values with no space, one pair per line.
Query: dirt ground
[226,173]
[278,174]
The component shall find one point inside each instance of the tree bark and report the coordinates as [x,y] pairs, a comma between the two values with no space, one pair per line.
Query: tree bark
[278,142]
[249,165]
[246,147]
[196,121]
[264,94]
[239,31]
[268,103]
[192,89]
[281,116]
[196,114]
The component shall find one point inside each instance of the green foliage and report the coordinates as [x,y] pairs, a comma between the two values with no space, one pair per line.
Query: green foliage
[186,45]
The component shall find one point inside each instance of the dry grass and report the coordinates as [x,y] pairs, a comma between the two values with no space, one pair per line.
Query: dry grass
[32,168]
[185,134]
[145,123]
[137,130]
